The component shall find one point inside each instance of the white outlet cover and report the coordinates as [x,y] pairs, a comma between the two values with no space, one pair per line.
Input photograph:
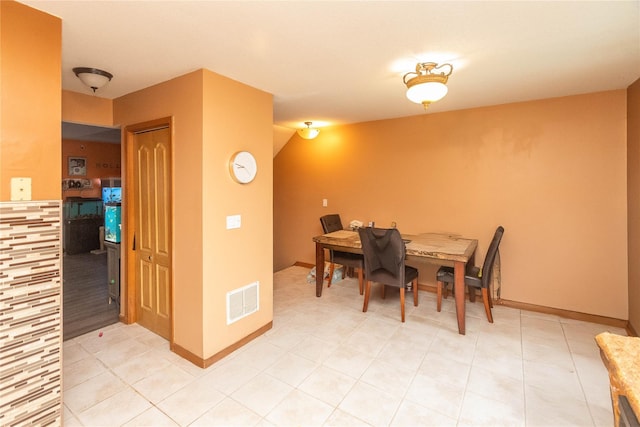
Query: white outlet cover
[20,189]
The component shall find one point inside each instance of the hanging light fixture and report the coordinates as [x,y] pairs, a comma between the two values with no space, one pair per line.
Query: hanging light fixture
[93,77]
[308,132]
[426,85]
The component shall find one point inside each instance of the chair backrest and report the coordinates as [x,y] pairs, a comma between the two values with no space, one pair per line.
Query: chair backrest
[487,267]
[331,223]
[384,254]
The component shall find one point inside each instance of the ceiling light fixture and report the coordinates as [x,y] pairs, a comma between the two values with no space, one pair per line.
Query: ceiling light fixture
[308,132]
[93,77]
[426,85]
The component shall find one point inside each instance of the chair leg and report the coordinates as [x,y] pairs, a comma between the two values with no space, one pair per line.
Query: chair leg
[445,292]
[415,292]
[402,304]
[360,280]
[367,292]
[439,293]
[487,309]
[332,266]
[384,287]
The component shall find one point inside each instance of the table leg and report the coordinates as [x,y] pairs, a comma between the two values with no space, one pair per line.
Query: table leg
[319,269]
[458,277]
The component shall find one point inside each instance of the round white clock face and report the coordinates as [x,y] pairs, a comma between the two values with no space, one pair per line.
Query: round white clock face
[243,167]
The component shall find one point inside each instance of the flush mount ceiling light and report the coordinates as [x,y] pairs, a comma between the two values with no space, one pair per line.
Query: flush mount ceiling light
[93,77]
[308,132]
[426,84]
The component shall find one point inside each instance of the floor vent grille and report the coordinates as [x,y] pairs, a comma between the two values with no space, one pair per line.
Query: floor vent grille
[242,302]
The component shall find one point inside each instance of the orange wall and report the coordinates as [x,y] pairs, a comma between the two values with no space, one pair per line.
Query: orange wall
[103,161]
[236,117]
[211,120]
[180,98]
[552,172]
[86,109]
[31,42]
[633,194]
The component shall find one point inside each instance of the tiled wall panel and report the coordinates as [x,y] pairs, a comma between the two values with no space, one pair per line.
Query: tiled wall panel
[30,313]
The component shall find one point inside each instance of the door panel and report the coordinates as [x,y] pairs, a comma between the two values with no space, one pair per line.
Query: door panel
[153,230]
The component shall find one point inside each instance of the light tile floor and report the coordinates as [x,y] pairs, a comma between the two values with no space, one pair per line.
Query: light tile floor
[325,363]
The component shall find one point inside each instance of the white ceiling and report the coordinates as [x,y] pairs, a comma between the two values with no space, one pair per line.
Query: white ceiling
[338,62]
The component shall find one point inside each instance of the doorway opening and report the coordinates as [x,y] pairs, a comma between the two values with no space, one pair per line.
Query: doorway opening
[91,162]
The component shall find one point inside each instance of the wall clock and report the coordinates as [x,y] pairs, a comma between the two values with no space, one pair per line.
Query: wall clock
[243,167]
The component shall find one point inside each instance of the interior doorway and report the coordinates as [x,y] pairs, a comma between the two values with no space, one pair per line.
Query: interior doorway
[90,156]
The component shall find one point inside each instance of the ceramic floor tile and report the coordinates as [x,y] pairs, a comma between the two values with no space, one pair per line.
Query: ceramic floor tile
[231,376]
[118,353]
[370,404]
[227,413]
[81,371]
[480,410]
[262,393]
[89,393]
[497,386]
[115,410]
[191,401]
[298,408]
[340,418]
[73,352]
[292,369]
[325,362]
[162,383]
[544,409]
[327,385]
[412,414]
[392,377]
[438,395]
[141,366]
[151,417]
[348,361]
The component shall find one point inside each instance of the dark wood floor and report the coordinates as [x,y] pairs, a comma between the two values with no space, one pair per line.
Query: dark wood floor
[85,306]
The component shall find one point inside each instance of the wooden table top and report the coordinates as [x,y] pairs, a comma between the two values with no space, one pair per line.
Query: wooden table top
[623,359]
[447,247]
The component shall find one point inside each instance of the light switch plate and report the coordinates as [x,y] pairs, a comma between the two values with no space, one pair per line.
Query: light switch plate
[233,221]
[20,189]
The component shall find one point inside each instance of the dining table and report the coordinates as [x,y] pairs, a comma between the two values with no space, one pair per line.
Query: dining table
[436,248]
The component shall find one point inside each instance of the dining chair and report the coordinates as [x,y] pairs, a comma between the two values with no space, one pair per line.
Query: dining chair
[475,277]
[332,223]
[384,262]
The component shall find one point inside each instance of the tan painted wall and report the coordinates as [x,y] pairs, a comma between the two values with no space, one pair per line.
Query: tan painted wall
[213,117]
[180,98]
[236,117]
[633,194]
[31,42]
[552,172]
[86,109]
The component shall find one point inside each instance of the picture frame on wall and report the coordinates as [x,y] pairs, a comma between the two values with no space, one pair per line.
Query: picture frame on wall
[77,166]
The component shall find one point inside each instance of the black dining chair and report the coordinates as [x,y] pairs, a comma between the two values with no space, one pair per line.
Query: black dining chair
[475,277]
[332,223]
[384,262]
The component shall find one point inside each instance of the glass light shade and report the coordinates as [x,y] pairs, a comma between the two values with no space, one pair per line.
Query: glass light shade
[427,91]
[93,80]
[308,133]
[93,77]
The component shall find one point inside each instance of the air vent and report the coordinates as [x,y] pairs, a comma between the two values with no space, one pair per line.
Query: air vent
[242,302]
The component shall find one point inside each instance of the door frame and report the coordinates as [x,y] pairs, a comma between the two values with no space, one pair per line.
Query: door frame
[129,212]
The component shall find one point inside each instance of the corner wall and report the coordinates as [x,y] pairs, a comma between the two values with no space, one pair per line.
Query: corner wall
[213,116]
[30,230]
[552,172]
[633,200]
